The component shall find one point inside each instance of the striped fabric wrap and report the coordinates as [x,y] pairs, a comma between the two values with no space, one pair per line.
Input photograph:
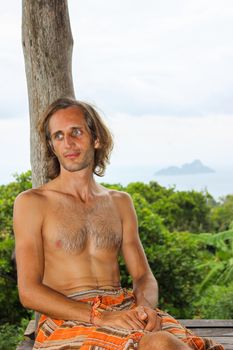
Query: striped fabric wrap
[69,334]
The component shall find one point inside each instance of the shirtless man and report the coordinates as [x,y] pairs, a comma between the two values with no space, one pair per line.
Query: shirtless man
[69,233]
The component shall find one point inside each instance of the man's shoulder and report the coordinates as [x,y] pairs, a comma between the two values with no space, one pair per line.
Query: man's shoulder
[29,205]
[120,196]
[31,196]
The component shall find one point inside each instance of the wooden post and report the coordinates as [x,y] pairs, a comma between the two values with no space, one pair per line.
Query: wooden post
[47,45]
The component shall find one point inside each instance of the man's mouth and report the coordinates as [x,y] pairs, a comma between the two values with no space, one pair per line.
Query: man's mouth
[72,155]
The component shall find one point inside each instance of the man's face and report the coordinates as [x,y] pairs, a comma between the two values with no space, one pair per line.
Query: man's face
[71,139]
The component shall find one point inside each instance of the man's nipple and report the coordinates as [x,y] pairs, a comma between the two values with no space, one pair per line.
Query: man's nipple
[58,244]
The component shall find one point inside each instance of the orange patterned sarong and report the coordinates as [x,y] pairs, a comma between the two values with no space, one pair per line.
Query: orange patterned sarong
[69,334]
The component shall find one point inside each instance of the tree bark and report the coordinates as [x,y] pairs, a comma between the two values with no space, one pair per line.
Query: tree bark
[47,45]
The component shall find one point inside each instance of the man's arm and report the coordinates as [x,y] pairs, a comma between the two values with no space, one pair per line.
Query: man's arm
[28,223]
[145,286]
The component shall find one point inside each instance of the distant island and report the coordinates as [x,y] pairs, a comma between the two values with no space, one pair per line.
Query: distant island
[195,167]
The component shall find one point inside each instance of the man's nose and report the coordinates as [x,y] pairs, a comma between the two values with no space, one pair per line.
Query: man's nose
[68,140]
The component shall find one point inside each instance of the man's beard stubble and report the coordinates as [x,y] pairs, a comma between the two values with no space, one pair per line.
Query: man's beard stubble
[88,159]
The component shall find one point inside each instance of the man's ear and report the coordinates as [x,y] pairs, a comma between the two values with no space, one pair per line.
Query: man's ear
[96,144]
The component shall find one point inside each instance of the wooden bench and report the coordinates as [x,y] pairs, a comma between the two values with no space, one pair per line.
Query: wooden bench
[219,330]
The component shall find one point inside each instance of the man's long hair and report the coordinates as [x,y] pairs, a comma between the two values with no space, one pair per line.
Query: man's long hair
[97,128]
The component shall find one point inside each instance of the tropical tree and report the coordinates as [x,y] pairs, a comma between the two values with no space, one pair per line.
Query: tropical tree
[47,45]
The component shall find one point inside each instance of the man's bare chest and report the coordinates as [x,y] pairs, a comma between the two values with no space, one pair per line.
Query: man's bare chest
[73,227]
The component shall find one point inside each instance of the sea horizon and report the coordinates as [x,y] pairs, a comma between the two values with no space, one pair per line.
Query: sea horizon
[218,184]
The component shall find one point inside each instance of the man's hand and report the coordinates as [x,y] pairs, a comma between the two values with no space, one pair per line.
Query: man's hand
[150,316]
[139,318]
[128,319]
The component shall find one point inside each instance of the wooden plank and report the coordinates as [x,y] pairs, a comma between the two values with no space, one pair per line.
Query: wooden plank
[30,330]
[26,344]
[207,323]
[221,331]
[212,332]
[226,342]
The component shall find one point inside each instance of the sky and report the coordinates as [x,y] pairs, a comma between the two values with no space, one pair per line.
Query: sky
[160,71]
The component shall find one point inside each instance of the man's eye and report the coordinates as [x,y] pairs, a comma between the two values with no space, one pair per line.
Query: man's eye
[58,136]
[76,132]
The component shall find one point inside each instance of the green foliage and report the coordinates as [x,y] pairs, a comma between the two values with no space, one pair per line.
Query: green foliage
[174,262]
[180,210]
[185,211]
[11,334]
[10,308]
[7,196]
[151,192]
[220,266]
[216,302]
[222,214]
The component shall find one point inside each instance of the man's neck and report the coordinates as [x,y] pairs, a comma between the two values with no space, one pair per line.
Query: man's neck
[79,183]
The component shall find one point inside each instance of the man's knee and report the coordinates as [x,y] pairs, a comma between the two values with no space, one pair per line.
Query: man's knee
[156,341]
[160,340]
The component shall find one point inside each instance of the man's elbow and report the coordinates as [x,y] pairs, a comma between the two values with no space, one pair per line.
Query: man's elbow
[27,298]
[146,276]
[146,279]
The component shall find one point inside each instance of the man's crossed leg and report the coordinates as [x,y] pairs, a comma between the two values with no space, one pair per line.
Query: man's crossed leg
[161,340]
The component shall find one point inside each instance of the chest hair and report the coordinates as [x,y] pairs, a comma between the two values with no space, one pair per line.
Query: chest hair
[99,226]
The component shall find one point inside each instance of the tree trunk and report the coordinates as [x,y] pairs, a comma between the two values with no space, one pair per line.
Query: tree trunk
[47,45]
